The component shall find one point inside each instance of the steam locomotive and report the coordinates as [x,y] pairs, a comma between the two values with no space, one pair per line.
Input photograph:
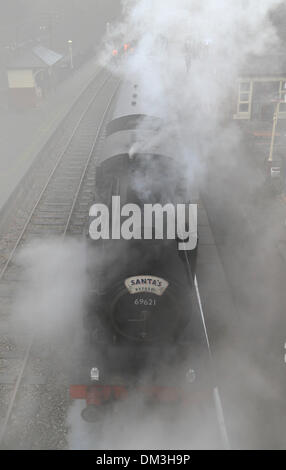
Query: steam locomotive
[143,331]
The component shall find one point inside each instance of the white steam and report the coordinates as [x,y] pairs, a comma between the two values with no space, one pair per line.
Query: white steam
[216,35]
[52,293]
[186,57]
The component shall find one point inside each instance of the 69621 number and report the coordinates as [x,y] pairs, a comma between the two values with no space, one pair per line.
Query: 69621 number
[146,302]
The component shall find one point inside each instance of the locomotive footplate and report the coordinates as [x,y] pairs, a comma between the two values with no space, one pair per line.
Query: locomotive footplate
[102,394]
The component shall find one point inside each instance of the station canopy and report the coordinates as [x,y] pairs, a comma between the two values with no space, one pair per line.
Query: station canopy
[34,58]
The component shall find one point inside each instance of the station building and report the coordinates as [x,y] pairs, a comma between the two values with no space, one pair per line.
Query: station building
[260,111]
[31,73]
[261,91]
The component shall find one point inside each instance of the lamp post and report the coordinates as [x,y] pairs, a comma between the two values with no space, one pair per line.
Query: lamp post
[71,53]
[275,122]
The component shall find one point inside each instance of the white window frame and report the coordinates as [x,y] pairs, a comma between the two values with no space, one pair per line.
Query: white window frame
[245,100]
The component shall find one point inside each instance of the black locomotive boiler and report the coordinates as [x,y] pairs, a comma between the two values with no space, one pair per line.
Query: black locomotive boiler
[142,330]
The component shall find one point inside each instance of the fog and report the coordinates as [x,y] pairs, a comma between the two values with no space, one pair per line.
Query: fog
[194,94]
[185,56]
[51,297]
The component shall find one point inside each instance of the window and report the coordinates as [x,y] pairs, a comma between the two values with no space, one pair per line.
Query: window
[244,97]
[245,88]
[243,107]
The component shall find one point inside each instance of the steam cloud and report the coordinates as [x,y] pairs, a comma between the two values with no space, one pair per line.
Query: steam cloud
[51,297]
[192,92]
[186,58]
[219,35]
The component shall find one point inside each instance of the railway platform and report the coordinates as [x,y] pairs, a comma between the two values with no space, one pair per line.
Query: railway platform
[24,134]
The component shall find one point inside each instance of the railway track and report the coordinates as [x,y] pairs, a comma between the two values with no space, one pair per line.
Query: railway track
[19,206]
[58,205]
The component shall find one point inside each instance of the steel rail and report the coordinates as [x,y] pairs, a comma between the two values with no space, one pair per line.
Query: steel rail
[11,255]
[31,341]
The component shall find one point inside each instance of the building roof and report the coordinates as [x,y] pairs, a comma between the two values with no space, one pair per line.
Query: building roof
[34,58]
[268,65]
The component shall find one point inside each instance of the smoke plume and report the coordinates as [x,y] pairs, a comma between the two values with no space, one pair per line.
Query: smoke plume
[186,57]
